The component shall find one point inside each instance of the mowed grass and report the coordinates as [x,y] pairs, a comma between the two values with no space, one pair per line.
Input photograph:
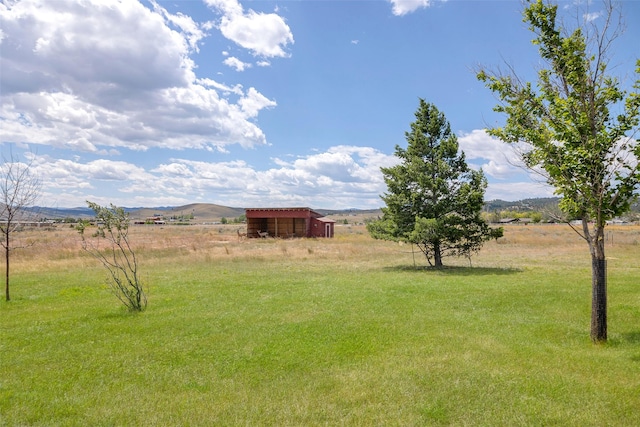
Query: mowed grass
[344,331]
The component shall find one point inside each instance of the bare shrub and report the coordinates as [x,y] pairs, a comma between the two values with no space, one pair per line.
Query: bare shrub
[119,258]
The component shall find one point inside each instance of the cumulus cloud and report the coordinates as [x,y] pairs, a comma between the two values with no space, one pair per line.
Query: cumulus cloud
[403,7]
[342,176]
[72,182]
[497,159]
[254,102]
[264,34]
[518,190]
[192,31]
[104,75]
[236,64]
[501,162]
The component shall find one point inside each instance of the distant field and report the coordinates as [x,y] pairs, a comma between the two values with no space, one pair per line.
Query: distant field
[343,331]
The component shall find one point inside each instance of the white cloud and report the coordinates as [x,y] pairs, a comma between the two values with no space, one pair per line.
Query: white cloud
[192,31]
[72,174]
[264,34]
[253,102]
[236,64]
[340,177]
[102,75]
[226,90]
[227,7]
[343,176]
[590,17]
[402,7]
[514,191]
[498,160]
[501,162]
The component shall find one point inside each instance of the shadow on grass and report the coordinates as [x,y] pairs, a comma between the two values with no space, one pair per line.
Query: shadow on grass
[631,337]
[457,271]
[627,339]
[121,313]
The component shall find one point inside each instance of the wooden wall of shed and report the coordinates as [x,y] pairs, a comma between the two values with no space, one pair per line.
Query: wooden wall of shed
[254,225]
[321,228]
[277,227]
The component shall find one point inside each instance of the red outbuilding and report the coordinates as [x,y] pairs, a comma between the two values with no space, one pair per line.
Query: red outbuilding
[287,222]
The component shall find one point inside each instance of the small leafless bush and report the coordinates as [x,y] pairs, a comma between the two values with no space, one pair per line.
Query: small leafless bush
[118,257]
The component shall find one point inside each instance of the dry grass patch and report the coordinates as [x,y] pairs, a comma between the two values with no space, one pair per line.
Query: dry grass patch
[521,245]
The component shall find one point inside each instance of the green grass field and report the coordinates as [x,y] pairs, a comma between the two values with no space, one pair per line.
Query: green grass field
[343,331]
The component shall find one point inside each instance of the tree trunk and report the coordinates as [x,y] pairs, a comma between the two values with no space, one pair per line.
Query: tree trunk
[598,286]
[599,300]
[437,256]
[6,277]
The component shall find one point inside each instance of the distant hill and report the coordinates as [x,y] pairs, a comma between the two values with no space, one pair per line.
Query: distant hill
[352,211]
[56,213]
[522,205]
[205,212]
[202,212]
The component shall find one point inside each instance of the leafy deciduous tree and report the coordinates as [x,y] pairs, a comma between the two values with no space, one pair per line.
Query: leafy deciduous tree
[434,200]
[578,125]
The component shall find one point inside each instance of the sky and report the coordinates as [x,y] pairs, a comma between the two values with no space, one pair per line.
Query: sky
[252,103]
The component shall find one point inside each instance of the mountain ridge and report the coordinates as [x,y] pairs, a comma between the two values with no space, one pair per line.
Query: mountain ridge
[211,211]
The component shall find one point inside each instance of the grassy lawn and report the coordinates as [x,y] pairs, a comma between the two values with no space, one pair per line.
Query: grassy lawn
[345,331]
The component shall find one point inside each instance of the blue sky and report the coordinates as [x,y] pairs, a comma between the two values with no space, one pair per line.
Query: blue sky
[256,103]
